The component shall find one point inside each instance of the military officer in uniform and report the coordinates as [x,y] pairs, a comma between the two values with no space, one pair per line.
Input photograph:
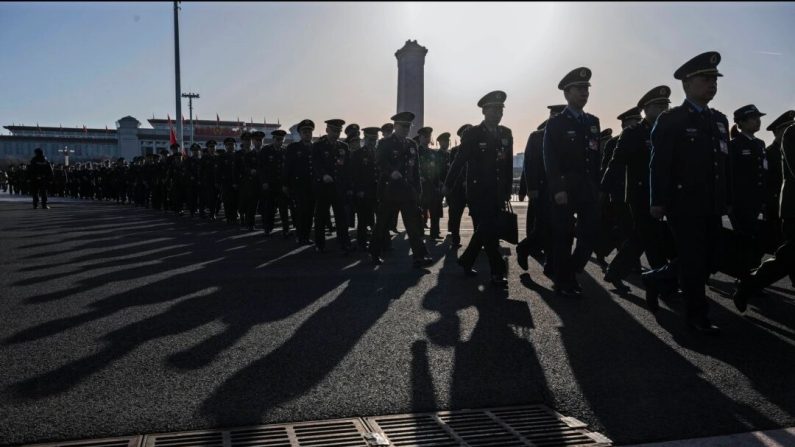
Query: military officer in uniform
[191,179]
[783,261]
[773,179]
[399,189]
[487,150]
[365,185]
[248,177]
[210,179]
[271,171]
[386,131]
[442,166]
[230,185]
[537,224]
[747,167]
[332,183]
[571,163]
[456,195]
[627,176]
[430,181]
[688,181]
[40,175]
[298,180]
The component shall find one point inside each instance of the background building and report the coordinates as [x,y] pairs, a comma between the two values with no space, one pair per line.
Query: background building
[127,140]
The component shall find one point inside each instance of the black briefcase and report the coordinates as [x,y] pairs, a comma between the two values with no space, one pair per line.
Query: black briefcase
[508,225]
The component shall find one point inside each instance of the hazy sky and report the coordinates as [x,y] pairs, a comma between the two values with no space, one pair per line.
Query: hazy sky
[81,63]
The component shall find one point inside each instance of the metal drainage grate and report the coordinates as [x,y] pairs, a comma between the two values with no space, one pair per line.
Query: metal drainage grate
[334,433]
[534,425]
[130,441]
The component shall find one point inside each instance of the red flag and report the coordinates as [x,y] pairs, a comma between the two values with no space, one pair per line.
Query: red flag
[172,138]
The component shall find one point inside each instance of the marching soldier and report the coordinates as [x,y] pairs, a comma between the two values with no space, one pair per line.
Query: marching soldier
[365,185]
[354,142]
[571,163]
[210,180]
[456,195]
[386,131]
[774,178]
[442,166]
[228,161]
[616,222]
[487,149]
[399,188]
[627,176]
[271,170]
[783,262]
[430,181]
[747,167]
[331,175]
[191,179]
[537,225]
[688,181]
[174,189]
[248,176]
[40,175]
[299,182]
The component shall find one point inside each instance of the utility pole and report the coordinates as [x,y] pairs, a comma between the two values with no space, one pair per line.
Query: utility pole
[190,97]
[66,151]
[176,71]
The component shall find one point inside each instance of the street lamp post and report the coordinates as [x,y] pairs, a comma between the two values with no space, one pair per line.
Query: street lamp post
[66,151]
[176,70]
[190,97]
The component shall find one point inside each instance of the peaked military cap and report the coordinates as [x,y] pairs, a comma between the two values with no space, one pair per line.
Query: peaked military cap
[633,113]
[352,129]
[463,129]
[278,133]
[606,134]
[387,127]
[443,136]
[335,123]
[427,131]
[258,134]
[557,108]
[195,147]
[785,119]
[165,152]
[306,123]
[747,112]
[495,98]
[542,126]
[229,140]
[578,76]
[372,131]
[211,143]
[403,117]
[661,93]
[705,64]
[246,135]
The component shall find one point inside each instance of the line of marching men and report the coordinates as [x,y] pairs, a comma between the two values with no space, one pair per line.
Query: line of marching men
[661,188]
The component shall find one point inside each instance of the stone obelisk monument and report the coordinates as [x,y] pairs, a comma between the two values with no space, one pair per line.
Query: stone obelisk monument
[411,82]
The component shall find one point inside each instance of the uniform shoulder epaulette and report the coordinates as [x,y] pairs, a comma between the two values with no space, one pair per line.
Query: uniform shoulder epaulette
[505,129]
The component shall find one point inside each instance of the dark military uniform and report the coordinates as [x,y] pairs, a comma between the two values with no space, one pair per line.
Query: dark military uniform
[432,174]
[299,182]
[688,175]
[331,158]
[250,187]
[191,180]
[40,175]
[627,176]
[228,161]
[271,170]
[399,154]
[572,165]
[365,187]
[174,173]
[773,180]
[210,180]
[537,225]
[488,154]
[783,261]
[747,166]
[456,195]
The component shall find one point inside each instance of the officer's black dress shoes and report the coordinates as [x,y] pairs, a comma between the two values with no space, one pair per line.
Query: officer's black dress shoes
[652,292]
[499,280]
[376,260]
[740,298]
[703,326]
[423,262]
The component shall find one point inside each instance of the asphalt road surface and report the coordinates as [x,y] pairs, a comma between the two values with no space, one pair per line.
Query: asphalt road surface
[117,321]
